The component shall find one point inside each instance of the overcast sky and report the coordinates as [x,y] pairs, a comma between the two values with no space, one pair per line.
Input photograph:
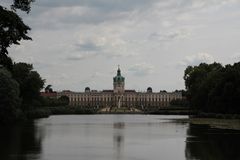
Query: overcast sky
[79,43]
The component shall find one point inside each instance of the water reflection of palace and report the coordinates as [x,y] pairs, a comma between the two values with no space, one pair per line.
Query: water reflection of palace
[118,139]
[120,97]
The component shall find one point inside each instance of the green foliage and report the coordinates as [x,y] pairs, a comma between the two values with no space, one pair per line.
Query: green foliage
[24,5]
[179,103]
[20,89]
[19,93]
[49,89]
[213,87]
[71,110]
[9,98]
[6,62]
[38,113]
[52,102]
[30,83]
[64,100]
[12,29]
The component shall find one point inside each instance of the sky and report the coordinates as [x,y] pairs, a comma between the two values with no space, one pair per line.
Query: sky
[80,43]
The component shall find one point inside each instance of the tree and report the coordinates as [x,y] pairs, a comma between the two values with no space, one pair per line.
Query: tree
[24,5]
[48,89]
[64,100]
[198,82]
[25,83]
[6,62]
[9,97]
[12,29]
[30,83]
[213,87]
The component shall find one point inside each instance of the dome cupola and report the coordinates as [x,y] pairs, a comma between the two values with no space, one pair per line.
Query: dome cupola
[118,82]
[118,78]
[87,89]
[149,89]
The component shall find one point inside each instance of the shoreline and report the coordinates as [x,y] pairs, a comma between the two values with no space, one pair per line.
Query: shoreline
[233,124]
[214,120]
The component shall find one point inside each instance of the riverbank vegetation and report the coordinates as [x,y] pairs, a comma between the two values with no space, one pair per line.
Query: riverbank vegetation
[210,88]
[20,84]
[19,91]
[213,88]
[43,112]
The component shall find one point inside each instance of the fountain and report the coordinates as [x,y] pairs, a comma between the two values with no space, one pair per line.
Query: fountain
[119,103]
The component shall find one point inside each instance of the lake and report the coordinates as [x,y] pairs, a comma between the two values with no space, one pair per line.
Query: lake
[117,137]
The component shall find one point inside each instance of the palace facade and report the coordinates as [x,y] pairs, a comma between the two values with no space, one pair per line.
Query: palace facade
[120,97]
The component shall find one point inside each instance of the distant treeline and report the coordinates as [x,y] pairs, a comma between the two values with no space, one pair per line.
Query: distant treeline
[213,88]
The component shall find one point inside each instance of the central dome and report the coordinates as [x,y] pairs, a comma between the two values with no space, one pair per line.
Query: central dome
[118,77]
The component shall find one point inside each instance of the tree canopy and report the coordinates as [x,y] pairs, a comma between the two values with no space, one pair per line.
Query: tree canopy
[24,5]
[30,82]
[48,88]
[9,97]
[12,28]
[20,85]
[213,87]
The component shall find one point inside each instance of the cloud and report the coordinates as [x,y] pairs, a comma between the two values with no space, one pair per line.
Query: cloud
[107,5]
[87,46]
[141,69]
[174,35]
[119,54]
[196,59]
[104,44]
[236,57]
[82,56]
[105,33]
[65,17]
[91,79]
[56,14]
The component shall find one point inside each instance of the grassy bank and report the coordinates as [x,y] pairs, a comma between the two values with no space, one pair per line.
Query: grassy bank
[217,115]
[217,123]
[213,122]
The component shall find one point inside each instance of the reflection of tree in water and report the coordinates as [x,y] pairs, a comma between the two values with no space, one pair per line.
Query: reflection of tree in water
[21,142]
[205,143]
[118,138]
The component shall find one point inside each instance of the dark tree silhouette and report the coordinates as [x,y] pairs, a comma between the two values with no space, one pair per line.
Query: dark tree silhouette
[64,100]
[30,83]
[24,5]
[9,97]
[48,89]
[12,28]
[213,87]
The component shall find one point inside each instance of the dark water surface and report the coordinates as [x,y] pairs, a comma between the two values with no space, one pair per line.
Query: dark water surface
[117,137]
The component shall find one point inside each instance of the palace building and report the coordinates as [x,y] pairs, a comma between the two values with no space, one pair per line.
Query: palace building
[120,97]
